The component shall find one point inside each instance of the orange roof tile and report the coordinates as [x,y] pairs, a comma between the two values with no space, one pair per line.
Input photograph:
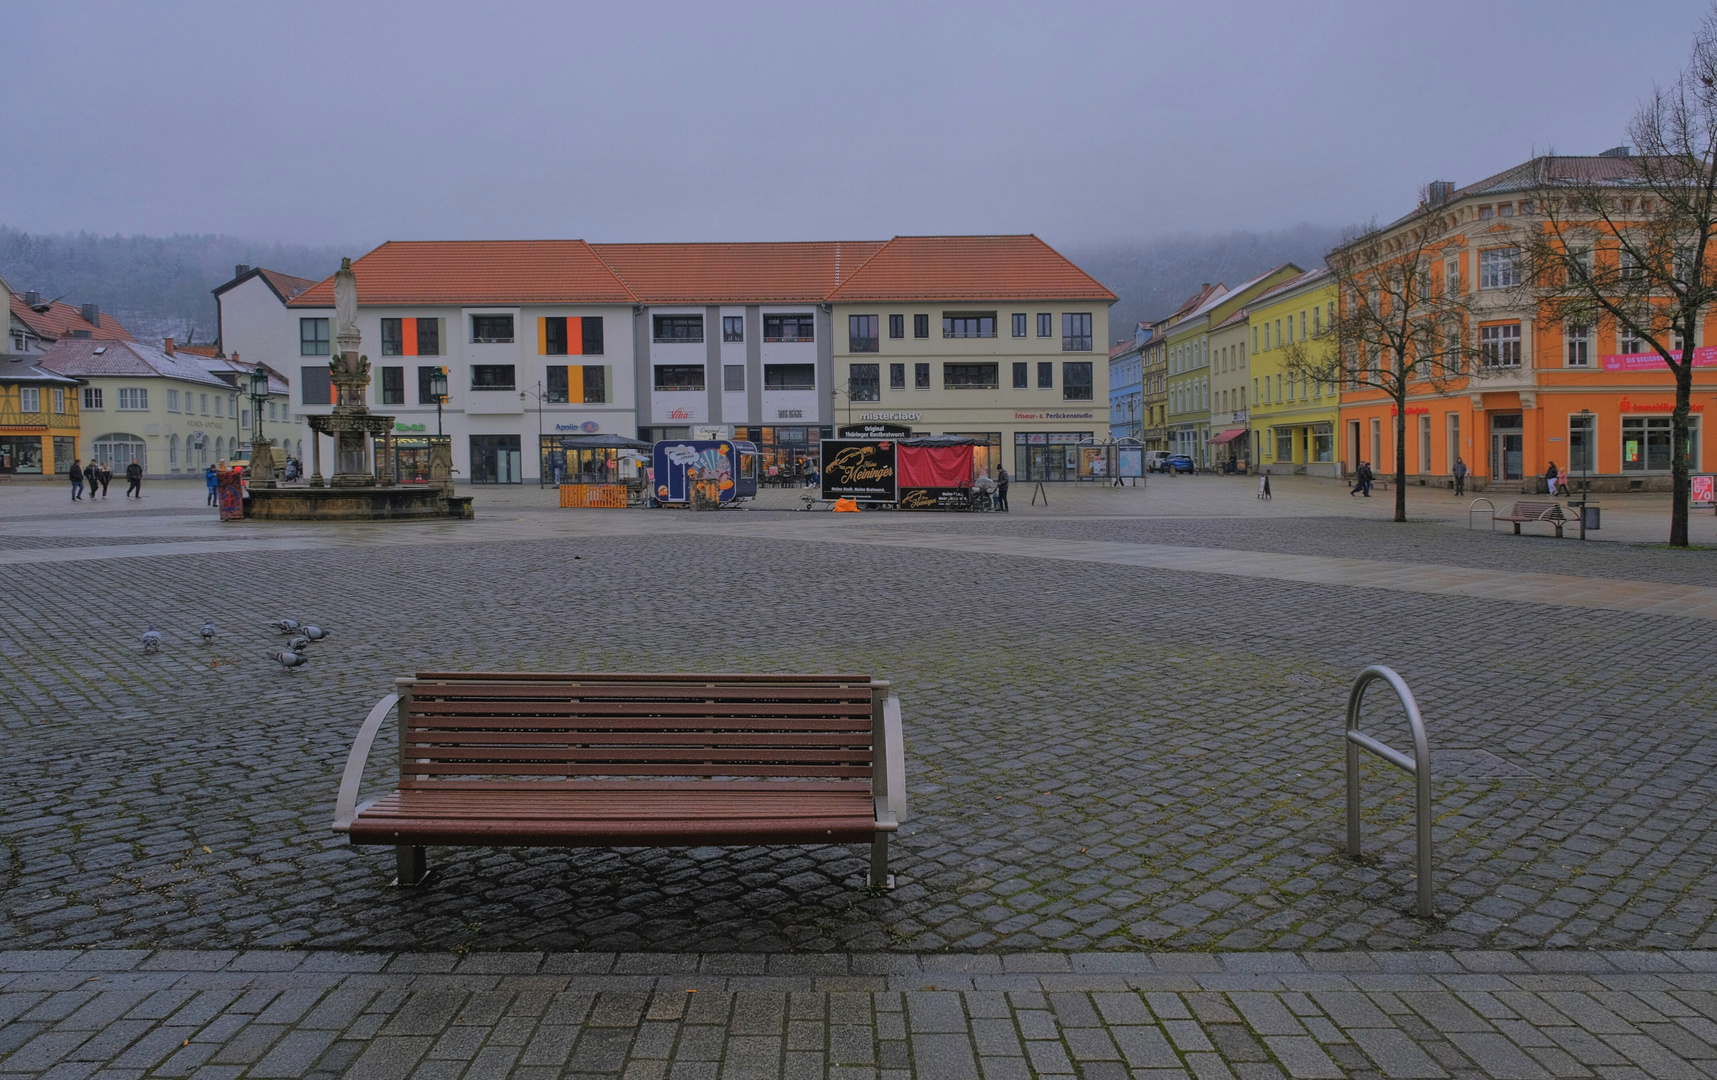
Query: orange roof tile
[969,268]
[477,272]
[61,319]
[285,284]
[739,273]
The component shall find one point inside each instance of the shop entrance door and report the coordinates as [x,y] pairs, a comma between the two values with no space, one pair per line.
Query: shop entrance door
[1507,441]
[495,459]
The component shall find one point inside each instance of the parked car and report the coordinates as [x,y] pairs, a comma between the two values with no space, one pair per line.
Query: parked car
[1177,463]
[1154,460]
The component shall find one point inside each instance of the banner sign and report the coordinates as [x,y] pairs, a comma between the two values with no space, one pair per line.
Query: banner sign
[1703,493]
[861,469]
[874,431]
[1704,356]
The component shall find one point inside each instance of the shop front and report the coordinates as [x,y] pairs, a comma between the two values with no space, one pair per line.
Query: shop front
[21,455]
[1055,456]
[405,458]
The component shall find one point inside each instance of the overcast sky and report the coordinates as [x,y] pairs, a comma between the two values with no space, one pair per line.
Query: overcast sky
[356,122]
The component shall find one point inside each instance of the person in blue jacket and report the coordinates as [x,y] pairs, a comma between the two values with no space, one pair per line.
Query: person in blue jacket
[209,477]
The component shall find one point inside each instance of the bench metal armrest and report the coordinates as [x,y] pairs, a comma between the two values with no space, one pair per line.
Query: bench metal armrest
[346,805]
[894,759]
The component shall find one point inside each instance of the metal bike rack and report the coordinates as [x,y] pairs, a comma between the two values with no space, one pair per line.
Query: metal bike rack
[1473,508]
[1418,766]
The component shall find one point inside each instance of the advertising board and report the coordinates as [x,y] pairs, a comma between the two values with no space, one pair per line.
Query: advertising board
[861,469]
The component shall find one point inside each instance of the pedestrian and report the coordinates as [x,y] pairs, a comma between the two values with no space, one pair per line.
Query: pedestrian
[133,479]
[209,478]
[1366,477]
[1002,490]
[91,477]
[106,478]
[76,474]
[1460,472]
[1550,478]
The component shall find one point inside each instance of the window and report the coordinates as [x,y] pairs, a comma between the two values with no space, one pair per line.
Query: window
[1046,374]
[970,377]
[678,329]
[1022,375]
[424,396]
[789,376]
[969,324]
[679,377]
[314,387]
[1632,269]
[1646,443]
[861,335]
[491,329]
[557,388]
[30,399]
[897,326]
[133,398]
[733,328]
[393,337]
[393,385]
[1485,212]
[217,402]
[1499,268]
[313,337]
[921,376]
[733,378]
[863,381]
[1582,442]
[795,327]
[896,376]
[595,383]
[59,399]
[172,401]
[1076,331]
[1578,340]
[1499,346]
[920,326]
[554,336]
[491,376]
[429,337]
[1045,324]
[1284,444]
[1628,341]
[1076,380]
[1019,324]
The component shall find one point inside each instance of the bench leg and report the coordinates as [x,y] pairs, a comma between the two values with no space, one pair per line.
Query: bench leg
[413,864]
[880,878]
[1517,528]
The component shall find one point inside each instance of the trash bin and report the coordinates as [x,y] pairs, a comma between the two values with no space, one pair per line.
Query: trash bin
[1589,517]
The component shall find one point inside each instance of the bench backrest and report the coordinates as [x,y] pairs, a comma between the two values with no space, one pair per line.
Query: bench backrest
[622,729]
[1538,510]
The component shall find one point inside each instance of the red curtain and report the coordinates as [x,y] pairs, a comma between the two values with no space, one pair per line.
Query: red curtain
[933,466]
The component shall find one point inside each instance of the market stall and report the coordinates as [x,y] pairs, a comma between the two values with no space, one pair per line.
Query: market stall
[703,473]
[935,472]
[596,470]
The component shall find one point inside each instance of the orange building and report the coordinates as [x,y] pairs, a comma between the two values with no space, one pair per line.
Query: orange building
[1577,396]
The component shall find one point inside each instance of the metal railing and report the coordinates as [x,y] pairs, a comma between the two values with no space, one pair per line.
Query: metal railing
[1418,766]
[1473,508]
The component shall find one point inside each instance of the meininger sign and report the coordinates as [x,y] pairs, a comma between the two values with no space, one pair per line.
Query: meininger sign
[861,469]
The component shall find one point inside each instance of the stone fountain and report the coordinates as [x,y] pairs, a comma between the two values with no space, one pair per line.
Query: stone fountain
[353,492]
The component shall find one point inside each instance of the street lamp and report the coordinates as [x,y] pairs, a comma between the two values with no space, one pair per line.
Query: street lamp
[438,391]
[261,458]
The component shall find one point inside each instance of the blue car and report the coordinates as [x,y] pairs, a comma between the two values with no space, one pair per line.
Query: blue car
[1177,463]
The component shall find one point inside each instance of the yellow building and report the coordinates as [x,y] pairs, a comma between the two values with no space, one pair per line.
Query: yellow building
[1293,420]
[38,419]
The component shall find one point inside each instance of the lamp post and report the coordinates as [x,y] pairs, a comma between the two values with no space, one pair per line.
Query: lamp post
[261,456]
[438,391]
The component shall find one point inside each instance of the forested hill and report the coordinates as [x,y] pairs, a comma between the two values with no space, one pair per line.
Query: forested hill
[158,286]
[1153,277]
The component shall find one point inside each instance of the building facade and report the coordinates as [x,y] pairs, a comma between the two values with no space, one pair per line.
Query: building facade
[1153,356]
[1584,397]
[1127,390]
[1230,449]
[39,413]
[1294,420]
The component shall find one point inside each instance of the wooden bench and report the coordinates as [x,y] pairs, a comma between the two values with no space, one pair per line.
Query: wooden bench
[632,760]
[1548,512]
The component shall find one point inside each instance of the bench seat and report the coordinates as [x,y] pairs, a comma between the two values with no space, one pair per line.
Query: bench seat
[691,815]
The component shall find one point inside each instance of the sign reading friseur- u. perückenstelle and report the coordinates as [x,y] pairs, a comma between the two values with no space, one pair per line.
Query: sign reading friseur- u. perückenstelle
[858,469]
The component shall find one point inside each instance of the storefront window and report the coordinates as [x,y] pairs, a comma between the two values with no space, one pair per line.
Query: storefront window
[21,454]
[1323,444]
[1284,444]
[1646,443]
[1052,456]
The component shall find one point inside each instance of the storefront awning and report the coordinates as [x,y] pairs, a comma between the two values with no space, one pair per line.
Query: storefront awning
[1228,436]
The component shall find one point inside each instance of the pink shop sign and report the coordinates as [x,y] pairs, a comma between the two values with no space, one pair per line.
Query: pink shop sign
[1704,356]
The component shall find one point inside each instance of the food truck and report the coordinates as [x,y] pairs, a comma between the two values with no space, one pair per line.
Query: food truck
[715,472]
[928,472]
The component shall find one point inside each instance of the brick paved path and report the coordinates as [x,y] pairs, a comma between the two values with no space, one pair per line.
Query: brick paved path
[1520,1016]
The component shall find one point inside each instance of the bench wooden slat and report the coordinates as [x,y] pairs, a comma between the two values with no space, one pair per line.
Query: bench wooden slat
[454,726]
[665,754]
[801,740]
[739,710]
[770,788]
[431,768]
[637,676]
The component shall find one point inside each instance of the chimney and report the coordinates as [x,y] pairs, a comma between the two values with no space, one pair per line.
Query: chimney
[92,314]
[1438,192]
[167,347]
[240,270]
[1616,151]
[32,298]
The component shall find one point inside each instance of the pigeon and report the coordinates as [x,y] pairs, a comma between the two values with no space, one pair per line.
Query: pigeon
[208,632]
[151,639]
[298,643]
[314,633]
[287,659]
[286,626]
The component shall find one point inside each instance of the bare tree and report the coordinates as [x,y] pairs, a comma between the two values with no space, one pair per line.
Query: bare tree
[1626,242]
[1399,326]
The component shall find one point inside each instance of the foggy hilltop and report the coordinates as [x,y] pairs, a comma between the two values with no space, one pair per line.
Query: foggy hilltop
[160,286]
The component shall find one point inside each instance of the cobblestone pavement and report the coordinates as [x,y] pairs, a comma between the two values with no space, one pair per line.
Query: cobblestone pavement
[1117,1016]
